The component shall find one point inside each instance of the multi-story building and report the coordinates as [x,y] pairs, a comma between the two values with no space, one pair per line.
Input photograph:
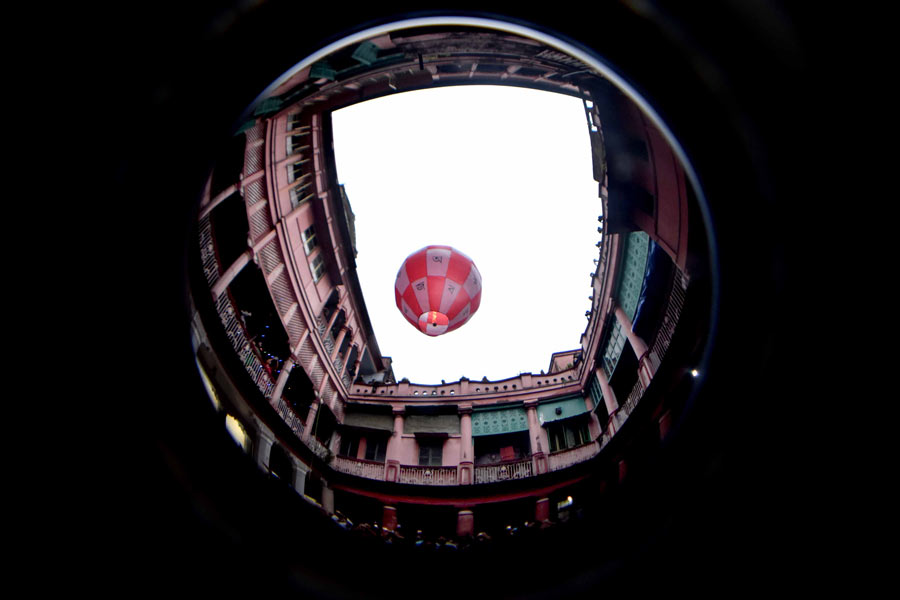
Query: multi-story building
[283,338]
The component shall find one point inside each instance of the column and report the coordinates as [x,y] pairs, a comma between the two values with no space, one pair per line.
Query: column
[300,471]
[465,524]
[345,364]
[466,447]
[542,510]
[296,349]
[392,453]
[594,426]
[538,438]
[281,381]
[310,418]
[327,498]
[665,423]
[646,366]
[230,273]
[609,397]
[264,441]
[389,518]
[337,311]
[325,379]
[338,342]
[335,444]
[211,204]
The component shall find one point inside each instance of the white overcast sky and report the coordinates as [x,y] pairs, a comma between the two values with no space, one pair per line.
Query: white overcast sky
[502,174]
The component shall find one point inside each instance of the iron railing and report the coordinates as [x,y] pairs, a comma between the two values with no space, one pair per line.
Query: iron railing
[428,475]
[516,469]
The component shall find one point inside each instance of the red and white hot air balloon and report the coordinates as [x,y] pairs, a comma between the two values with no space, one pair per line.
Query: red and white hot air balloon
[438,289]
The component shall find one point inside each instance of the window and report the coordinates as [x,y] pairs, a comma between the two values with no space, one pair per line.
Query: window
[295,170]
[298,195]
[309,239]
[295,143]
[349,445]
[293,121]
[614,348]
[376,448]
[568,434]
[431,453]
[317,267]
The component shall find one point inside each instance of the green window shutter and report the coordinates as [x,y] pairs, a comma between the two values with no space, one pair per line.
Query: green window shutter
[366,53]
[322,70]
[634,264]
[502,420]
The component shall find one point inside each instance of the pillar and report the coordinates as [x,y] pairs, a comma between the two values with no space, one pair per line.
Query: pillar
[594,426]
[338,342]
[542,510]
[389,518]
[230,273]
[310,418]
[646,366]
[264,441]
[345,364]
[538,438]
[466,447]
[465,524]
[337,311]
[210,204]
[296,349]
[335,444]
[321,387]
[609,397]
[327,498]
[392,452]
[281,381]
[300,471]
[665,423]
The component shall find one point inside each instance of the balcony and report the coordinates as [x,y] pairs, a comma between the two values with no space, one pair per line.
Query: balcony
[570,456]
[370,469]
[513,469]
[428,475]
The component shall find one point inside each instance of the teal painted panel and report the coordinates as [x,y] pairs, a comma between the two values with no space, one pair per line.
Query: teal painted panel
[269,105]
[503,420]
[568,407]
[366,53]
[322,70]
[634,264]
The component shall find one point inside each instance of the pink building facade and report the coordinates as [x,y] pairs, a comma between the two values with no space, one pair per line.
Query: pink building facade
[324,411]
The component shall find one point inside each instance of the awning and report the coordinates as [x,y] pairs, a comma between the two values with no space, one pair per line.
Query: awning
[564,408]
[369,421]
[431,424]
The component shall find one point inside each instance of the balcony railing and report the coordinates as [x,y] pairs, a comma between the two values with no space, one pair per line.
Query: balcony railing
[567,458]
[361,468]
[503,471]
[317,448]
[428,475]
[633,397]
[290,417]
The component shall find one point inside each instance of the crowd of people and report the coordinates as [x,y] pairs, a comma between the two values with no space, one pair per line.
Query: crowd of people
[429,543]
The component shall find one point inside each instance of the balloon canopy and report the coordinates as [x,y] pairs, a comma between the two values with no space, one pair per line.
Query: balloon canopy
[438,289]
